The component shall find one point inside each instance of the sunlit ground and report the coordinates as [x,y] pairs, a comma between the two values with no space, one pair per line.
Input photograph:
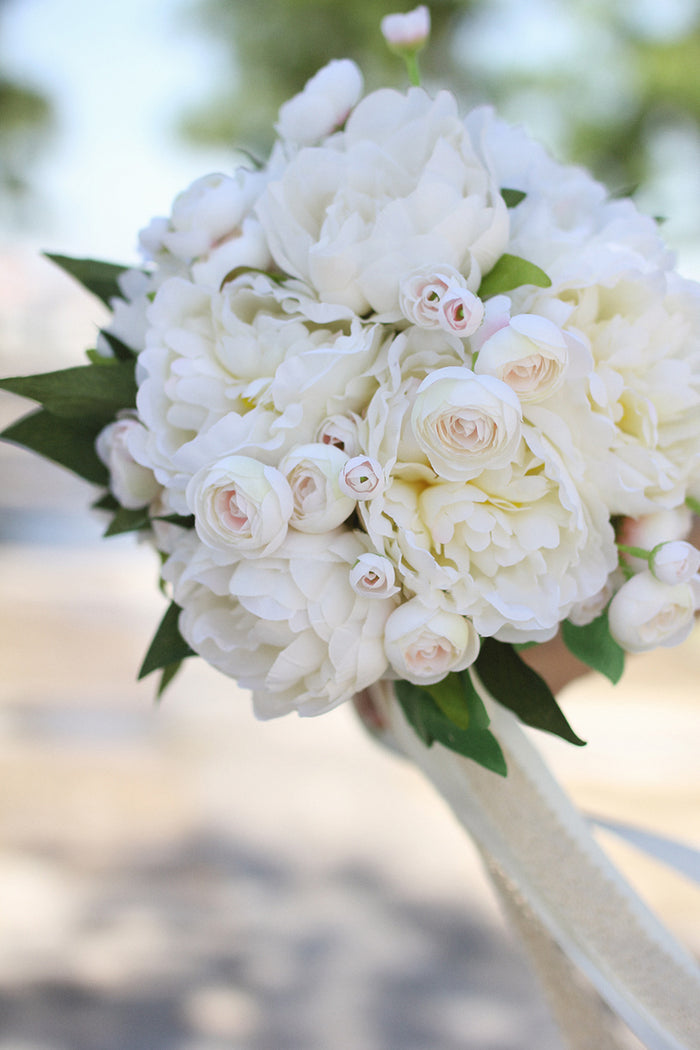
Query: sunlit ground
[187,879]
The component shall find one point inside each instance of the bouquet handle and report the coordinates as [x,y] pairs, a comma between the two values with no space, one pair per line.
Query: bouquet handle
[561,886]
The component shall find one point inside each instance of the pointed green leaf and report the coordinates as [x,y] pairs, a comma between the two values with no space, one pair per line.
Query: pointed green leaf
[451,698]
[511,272]
[168,645]
[100,278]
[120,350]
[87,393]
[595,646]
[167,676]
[513,197]
[515,685]
[432,725]
[62,441]
[106,502]
[693,504]
[127,520]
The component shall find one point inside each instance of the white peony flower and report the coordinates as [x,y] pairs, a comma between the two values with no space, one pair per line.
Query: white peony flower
[530,354]
[241,506]
[373,576]
[401,183]
[424,644]
[646,613]
[466,423]
[674,562]
[289,626]
[323,105]
[407,31]
[131,484]
[313,472]
[361,478]
[587,611]
[514,549]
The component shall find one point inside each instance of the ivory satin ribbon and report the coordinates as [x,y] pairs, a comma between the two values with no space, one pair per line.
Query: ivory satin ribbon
[561,889]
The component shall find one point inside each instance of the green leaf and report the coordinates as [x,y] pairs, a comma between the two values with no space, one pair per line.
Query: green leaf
[106,502]
[168,645]
[87,393]
[595,646]
[100,278]
[126,520]
[167,676]
[185,521]
[511,272]
[513,197]
[692,504]
[120,350]
[515,685]
[432,725]
[63,441]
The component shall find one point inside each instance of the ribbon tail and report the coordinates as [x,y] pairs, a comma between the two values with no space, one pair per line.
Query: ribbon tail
[531,831]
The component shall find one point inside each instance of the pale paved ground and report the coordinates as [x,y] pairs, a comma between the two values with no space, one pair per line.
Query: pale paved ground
[183,878]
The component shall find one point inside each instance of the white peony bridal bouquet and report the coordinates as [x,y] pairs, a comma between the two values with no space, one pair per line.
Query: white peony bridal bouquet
[399,402]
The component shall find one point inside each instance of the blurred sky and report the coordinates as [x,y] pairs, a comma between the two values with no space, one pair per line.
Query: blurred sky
[117,74]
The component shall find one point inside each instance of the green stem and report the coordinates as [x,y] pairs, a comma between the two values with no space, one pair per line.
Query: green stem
[636,552]
[411,60]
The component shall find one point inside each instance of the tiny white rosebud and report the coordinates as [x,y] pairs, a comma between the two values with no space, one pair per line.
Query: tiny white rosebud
[313,472]
[423,644]
[373,576]
[341,431]
[460,312]
[130,483]
[466,423]
[409,31]
[646,613]
[530,354]
[675,561]
[362,478]
[240,505]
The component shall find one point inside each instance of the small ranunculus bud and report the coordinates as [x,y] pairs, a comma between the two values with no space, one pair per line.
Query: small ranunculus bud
[362,478]
[530,354]
[438,297]
[240,505]
[313,473]
[675,561]
[466,423]
[373,576]
[423,644]
[130,483]
[461,312]
[407,32]
[340,431]
[323,105]
[646,613]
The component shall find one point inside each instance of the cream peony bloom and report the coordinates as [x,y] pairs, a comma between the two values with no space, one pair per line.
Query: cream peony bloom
[241,506]
[401,183]
[323,105]
[646,613]
[424,644]
[466,423]
[289,626]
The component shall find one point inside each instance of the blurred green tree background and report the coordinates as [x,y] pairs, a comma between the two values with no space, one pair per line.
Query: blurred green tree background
[607,83]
